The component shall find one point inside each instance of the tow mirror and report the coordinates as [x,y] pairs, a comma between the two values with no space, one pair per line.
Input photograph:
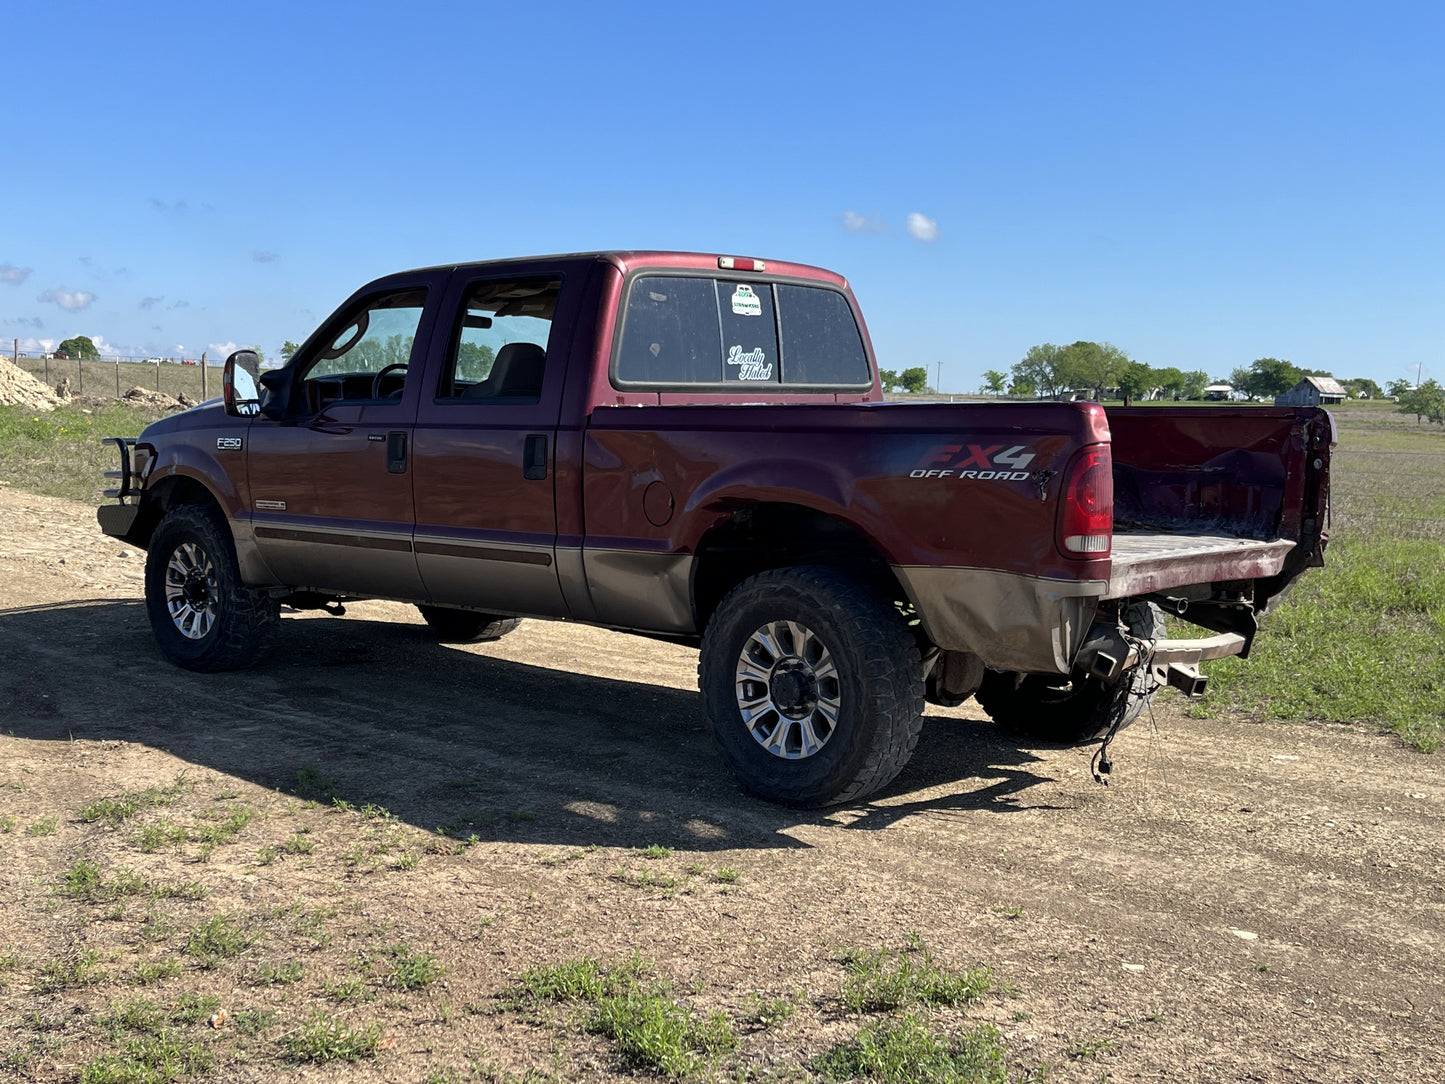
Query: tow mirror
[239,390]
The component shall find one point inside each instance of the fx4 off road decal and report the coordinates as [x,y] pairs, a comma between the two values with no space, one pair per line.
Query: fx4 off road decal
[984,462]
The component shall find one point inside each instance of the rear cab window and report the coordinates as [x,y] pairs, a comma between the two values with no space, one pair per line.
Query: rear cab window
[706,332]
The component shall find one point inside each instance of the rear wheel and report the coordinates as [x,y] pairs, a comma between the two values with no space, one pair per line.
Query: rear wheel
[204,618]
[1070,709]
[812,687]
[466,626]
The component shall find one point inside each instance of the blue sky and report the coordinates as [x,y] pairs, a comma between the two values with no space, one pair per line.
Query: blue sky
[1200,185]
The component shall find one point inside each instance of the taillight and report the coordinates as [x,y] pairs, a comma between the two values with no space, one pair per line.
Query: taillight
[1086,512]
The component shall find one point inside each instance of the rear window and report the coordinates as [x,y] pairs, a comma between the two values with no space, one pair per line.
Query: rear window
[693,330]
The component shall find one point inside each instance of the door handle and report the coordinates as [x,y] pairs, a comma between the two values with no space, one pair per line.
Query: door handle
[534,458]
[396,453]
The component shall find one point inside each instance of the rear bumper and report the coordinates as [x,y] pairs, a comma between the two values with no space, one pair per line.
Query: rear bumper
[1025,623]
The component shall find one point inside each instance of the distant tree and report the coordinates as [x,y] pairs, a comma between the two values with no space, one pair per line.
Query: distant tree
[260,357]
[288,349]
[1092,365]
[1195,381]
[1135,379]
[1170,381]
[888,378]
[994,381]
[78,347]
[1038,371]
[1362,388]
[1023,387]
[1395,389]
[914,380]
[1426,401]
[1275,377]
[474,361]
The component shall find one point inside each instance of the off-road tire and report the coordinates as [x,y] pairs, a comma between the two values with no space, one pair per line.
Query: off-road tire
[879,676]
[466,626]
[244,621]
[1065,710]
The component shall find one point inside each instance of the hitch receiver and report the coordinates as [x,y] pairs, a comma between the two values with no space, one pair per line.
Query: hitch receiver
[1186,678]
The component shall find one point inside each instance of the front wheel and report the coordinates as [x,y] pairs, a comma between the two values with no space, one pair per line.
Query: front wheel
[204,618]
[812,687]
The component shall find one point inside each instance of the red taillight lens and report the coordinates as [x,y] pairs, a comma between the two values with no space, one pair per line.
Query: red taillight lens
[1086,515]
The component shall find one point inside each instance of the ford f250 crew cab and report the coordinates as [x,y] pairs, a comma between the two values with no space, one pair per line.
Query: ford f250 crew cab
[696,448]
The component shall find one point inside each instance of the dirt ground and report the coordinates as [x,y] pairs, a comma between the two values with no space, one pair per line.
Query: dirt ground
[1245,902]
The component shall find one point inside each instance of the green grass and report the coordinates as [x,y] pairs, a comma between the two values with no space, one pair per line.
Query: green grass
[907,1051]
[45,826]
[149,1059]
[283,974]
[882,981]
[411,970]
[82,970]
[218,938]
[59,453]
[149,972]
[115,811]
[326,1038]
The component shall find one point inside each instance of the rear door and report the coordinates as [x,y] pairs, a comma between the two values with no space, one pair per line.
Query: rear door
[485,443]
[331,483]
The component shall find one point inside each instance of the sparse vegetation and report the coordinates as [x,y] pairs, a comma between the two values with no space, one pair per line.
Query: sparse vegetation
[116,811]
[218,938]
[326,1038]
[907,1051]
[882,981]
[45,826]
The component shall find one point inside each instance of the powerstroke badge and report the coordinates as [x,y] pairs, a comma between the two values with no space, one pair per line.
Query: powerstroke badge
[228,444]
[984,462]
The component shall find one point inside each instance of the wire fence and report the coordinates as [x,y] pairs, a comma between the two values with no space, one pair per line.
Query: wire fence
[195,379]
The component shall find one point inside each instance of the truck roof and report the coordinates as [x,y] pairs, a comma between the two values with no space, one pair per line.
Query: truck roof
[628,260]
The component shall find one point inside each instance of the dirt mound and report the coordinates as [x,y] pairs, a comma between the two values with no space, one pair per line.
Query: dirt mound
[158,399]
[19,388]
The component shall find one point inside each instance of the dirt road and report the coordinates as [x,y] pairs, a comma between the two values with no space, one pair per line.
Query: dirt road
[1246,902]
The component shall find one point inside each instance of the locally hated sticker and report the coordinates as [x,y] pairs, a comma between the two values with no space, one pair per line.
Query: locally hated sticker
[752,364]
[745,302]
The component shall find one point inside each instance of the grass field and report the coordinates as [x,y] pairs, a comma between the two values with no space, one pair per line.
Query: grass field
[1357,642]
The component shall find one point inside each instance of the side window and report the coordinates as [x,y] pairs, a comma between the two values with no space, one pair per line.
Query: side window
[368,355]
[821,343]
[670,332]
[750,334]
[499,345]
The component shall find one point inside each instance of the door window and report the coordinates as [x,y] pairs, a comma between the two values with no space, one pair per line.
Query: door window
[499,346]
[368,354]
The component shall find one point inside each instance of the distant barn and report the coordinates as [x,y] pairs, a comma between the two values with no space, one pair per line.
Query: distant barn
[1313,391]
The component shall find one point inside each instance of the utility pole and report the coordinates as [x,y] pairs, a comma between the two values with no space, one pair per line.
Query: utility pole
[938,376]
[203,376]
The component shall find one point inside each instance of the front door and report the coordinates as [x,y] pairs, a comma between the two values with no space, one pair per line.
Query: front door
[485,449]
[331,483]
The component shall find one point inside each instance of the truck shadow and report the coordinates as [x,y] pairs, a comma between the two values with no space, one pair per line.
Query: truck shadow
[362,711]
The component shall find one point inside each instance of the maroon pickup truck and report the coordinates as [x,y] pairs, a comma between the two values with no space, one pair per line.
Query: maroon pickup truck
[696,448]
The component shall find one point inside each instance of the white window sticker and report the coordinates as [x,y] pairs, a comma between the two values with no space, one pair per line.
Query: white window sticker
[752,364]
[746,303]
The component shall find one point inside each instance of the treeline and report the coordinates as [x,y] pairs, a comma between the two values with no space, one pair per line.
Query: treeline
[1102,369]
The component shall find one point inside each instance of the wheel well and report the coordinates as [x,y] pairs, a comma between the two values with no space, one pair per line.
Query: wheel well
[767,536]
[168,493]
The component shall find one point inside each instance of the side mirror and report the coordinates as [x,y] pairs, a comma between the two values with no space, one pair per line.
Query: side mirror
[239,392]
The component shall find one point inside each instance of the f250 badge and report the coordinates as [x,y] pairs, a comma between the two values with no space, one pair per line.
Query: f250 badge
[992,462]
[228,444]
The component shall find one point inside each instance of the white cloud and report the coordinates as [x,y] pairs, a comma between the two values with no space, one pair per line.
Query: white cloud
[38,346]
[856,223]
[11,275]
[220,351]
[922,227]
[151,302]
[70,301]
